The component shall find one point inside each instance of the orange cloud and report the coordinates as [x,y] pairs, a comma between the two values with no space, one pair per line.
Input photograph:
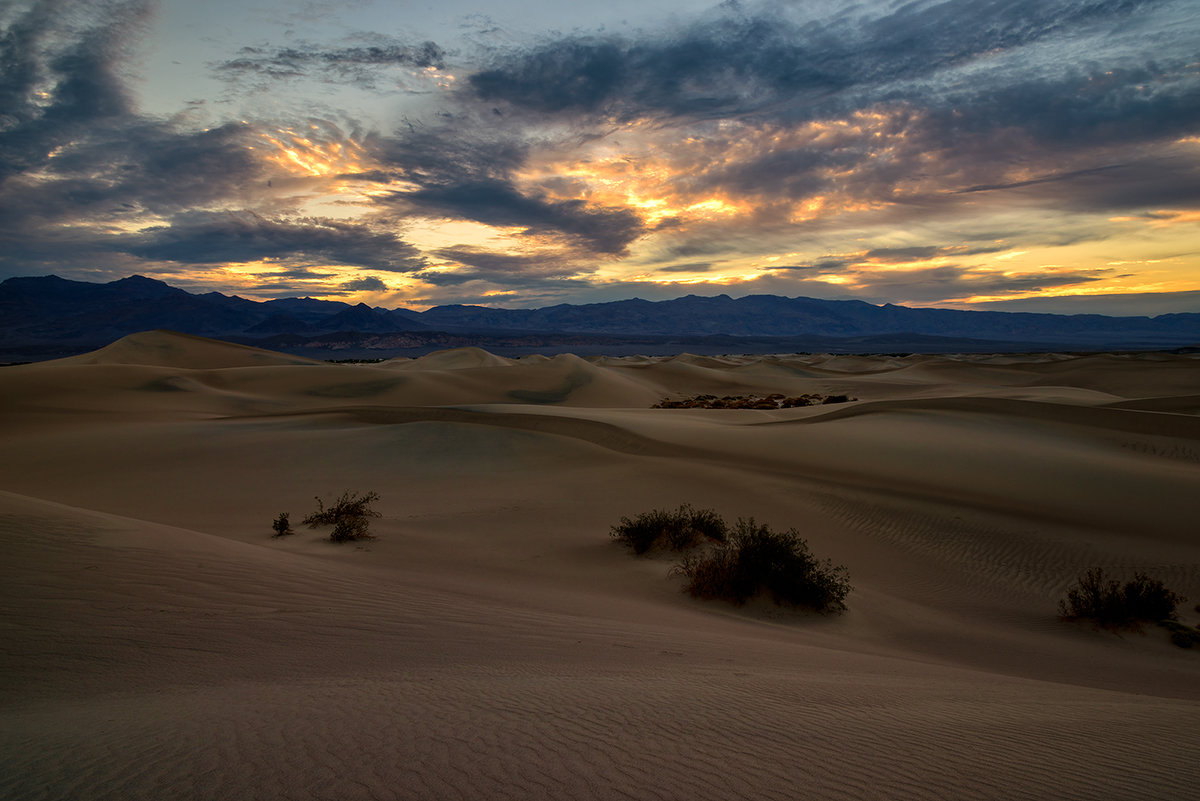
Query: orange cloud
[1166,218]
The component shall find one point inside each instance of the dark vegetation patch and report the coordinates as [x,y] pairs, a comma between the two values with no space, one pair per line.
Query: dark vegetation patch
[349,515]
[282,526]
[1109,604]
[775,400]
[756,560]
[739,563]
[677,531]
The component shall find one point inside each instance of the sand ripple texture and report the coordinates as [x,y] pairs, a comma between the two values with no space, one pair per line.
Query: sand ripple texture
[493,642]
[686,734]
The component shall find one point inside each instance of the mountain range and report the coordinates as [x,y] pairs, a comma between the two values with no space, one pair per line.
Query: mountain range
[47,316]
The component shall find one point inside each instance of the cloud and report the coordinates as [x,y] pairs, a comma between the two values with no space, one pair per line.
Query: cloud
[359,64]
[901,106]
[55,86]
[774,61]
[368,283]
[1126,304]
[762,140]
[495,202]
[243,237]
[934,284]
[466,169]
[76,160]
[500,269]
[687,267]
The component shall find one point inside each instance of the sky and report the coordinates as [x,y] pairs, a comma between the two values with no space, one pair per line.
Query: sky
[1038,155]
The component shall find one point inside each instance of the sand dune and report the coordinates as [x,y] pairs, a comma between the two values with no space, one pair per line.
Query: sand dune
[493,642]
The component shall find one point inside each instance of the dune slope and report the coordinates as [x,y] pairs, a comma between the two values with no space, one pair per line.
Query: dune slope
[492,641]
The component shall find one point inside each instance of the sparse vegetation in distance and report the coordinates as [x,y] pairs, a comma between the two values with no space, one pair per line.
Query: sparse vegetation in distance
[754,559]
[348,515]
[675,530]
[1109,604]
[775,400]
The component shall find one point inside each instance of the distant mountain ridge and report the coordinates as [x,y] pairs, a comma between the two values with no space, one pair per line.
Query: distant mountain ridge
[52,313]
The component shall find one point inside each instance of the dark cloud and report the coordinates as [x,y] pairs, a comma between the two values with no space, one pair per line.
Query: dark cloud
[63,212]
[699,246]
[241,237]
[741,62]
[1152,182]
[461,150]
[358,64]
[959,96]
[53,87]
[368,284]
[604,230]
[498,268]
[901,255]
[75,156]
[1127,304]
[895,255]
[689,267]
[464,170]
[1046,179]
[949,281]
[293,274]
[927,112]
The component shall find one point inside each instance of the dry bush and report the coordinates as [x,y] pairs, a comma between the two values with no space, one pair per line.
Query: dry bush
[754,559]
[1111,605]
[678,530]
[282,526]
[348,516]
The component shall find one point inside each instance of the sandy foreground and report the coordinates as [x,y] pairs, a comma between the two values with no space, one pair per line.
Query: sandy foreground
[493,642]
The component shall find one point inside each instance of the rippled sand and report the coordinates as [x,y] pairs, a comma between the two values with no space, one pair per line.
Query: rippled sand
[493,642]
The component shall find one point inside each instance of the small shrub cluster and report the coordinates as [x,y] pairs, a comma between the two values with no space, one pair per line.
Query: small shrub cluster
[754,559]
[773,401]
[1181,635]
[282,526]
[677,531]
[1112,605]
[348,515]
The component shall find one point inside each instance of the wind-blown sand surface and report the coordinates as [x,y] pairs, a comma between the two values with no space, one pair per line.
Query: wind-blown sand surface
[493,642]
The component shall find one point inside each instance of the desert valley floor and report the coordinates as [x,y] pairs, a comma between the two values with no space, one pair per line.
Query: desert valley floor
[493,641]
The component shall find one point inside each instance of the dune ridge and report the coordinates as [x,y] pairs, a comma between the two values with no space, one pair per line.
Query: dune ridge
[492,641]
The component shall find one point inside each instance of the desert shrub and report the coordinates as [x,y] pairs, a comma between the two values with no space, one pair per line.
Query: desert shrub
[350,528]
[678,530]
[348,516]
[1109,604]
[282,526]
[1181,635]
[755,559]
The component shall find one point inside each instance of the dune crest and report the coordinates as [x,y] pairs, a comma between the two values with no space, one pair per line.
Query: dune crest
[184,351]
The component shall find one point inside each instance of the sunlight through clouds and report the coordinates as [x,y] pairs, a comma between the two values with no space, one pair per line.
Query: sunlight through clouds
[1015,150]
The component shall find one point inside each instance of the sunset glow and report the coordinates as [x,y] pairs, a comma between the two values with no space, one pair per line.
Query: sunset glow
[940,155]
